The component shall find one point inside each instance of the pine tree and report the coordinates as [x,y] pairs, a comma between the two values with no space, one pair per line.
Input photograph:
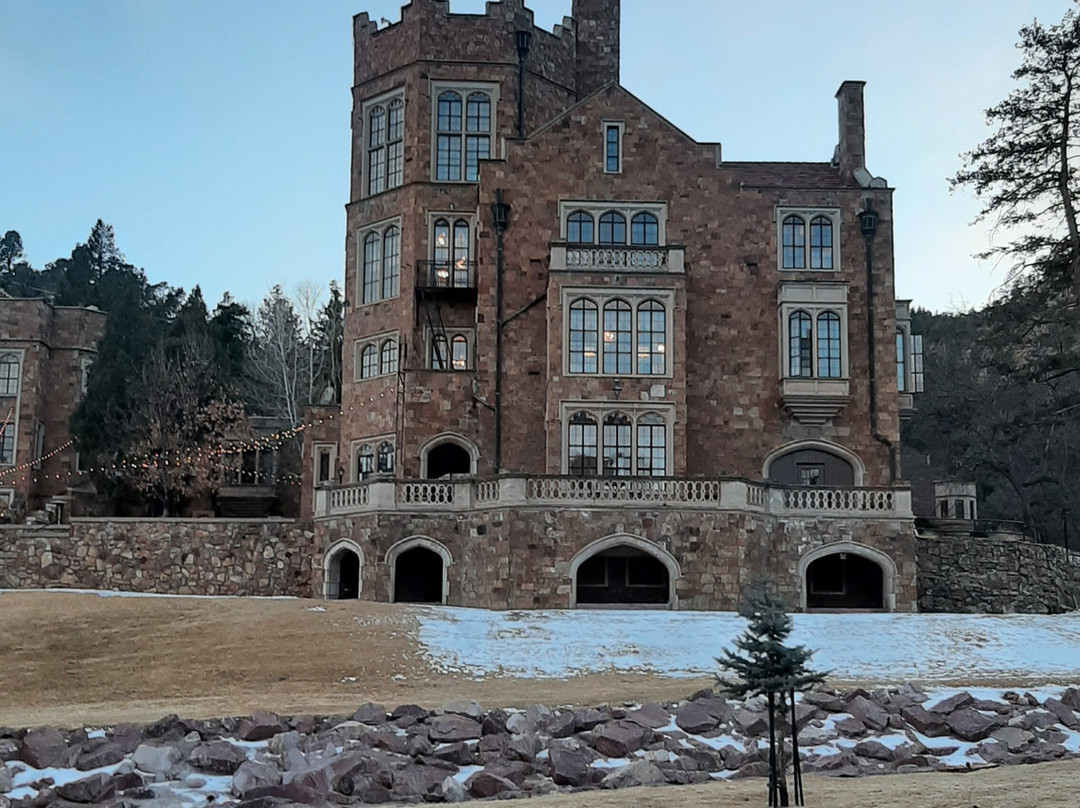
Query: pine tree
[763,664]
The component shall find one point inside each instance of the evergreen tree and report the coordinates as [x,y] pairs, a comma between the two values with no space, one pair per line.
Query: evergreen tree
[763,664]
[328,337]
[11,250]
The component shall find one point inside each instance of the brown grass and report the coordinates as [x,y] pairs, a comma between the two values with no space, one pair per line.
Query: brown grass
[75,660]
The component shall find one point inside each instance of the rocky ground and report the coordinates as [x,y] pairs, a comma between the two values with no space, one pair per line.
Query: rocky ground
[460,752]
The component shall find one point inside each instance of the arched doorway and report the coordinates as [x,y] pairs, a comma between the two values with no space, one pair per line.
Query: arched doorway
[844,581]
[625,571]
[446,459]
[418,576]
[341,572]
[814,463]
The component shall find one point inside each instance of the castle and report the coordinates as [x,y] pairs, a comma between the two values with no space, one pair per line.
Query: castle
[592,362]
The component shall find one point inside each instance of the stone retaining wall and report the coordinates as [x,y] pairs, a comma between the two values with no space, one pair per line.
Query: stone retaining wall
[976,575]
[169,556]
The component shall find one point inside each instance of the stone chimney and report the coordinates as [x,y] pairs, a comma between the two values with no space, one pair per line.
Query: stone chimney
[851,152]
[597,44]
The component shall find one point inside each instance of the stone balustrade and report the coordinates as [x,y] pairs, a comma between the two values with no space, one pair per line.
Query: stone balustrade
[616,258]
[733,494]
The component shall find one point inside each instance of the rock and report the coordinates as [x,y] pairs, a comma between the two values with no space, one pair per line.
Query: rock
[841,765]
[459,753]
[409,711]
[1071,698]
[127,737]
[753,768]
[850,727]
[873,749]
[518,723]
[9,750]
[751,722]
[217,757]
[812,735]
[90,789]
[969,724]
[253,774]
[418,781]
[515,771]
[1014,738]
[829,702]
[638,773]
[453,791]
[486,784]
[260,726]
[390,741]
[43,747]
[953,702]
[495,722]
[695,717]
[569,766]
[872,715]
[1063,713]
[993,751]
[651,716]
[585,720]
[524,747]
[454,727]
[1036,720]
[6,783]
[286,793]
[914,763]
[349,730]
[804,714]
[560,724]
[169,728]
[930,724]
[98,752]
[370,713]
[155,759]
[466,707]
[619,738]
[1044,753]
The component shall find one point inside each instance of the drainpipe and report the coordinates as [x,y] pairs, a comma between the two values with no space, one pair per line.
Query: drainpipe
[500,217]
[524,38]
[868,221]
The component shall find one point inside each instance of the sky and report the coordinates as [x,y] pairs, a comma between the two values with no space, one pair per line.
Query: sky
[214,134]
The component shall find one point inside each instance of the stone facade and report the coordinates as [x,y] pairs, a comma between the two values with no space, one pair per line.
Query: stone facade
[166,556]
[53,347]
[483,252]
[979,575]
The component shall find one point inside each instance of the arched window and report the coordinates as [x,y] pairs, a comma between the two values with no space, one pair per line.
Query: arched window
[582,446]
[391,262]
[377,150]
[612,228]
[794,234]
[478,139]
[461,255]
[385,458]
[9,376]
[800,345]
[579,228]
[651,334]
[369,362]
[441,253]
[617,336]
[644,230]
[821,252]
[616,440]
[459,353]
[388,357]
[365,462]
[901,362]
[371,268]
[651,445]
[828,345]
[583,342]
[448,137]
[440,353]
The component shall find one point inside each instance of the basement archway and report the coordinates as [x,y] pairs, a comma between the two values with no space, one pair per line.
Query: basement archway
[418,571]
[847,575]
[626,572]
[341,571]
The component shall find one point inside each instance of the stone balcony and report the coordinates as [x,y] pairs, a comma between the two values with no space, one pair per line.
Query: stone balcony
[697,494]
[616,258]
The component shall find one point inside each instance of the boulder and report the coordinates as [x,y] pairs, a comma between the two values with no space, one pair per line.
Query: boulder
[418,781]
[924,721]
[752,768]
[487,784]
[751,722]
[841,765]
[390,741]
[127,737]
[43,747]
[6,783]
[515,771]
[370,713]
[90,789]
[524,747]
[993,751]
[260,726]
[98,752]
[409,711]
[569,766]
[620,737]
[953,702]
[1063,713]
[873,749]
[651,716]
[1071,698]
[217,757]
[829,702]
[585,720]
[638,773]
[253,774]
[169,728]
[872,715]
[454,727]
[159,760]
[850,727]
[518,723]
[453,791]
[695,717]
[812,735]
[459,753]
[466,707]
[970,725]
[1014,738]
[283,794]
[560,724]
[495,722]
[9,750]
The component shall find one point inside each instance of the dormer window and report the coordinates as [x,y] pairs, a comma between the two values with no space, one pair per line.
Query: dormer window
[808,239]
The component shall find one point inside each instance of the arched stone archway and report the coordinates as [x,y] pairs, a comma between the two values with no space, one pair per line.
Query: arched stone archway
[814,462]
[342,565]
[448,454]
[419,571]
[623,571]
[847,575]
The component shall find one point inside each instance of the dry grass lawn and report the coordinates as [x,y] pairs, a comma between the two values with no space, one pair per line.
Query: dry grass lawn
[74,660]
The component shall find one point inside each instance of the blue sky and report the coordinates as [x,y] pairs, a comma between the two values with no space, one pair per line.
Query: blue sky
[214,135]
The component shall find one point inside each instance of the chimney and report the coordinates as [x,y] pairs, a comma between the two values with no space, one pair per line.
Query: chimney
[597,44]
[852,149]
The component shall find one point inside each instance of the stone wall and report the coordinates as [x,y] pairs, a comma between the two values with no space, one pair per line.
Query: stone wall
[186,557]
[964,574]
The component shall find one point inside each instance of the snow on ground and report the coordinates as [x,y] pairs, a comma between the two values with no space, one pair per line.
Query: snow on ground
[872,647]
[115,593]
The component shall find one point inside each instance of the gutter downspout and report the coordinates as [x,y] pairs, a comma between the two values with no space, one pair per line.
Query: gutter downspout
[523,39]
[500,216]
[868,220]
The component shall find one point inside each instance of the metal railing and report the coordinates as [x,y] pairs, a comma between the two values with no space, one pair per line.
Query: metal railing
[436,275]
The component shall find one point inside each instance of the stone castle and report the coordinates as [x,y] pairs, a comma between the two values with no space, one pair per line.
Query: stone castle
[593,362]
